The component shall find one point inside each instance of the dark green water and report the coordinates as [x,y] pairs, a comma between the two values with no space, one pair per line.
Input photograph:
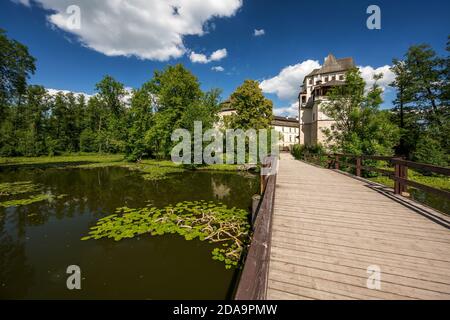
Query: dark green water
[432,200]
[39,241]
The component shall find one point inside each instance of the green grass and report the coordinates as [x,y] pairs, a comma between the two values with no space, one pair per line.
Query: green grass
[219,167]
[72,158]
[435,181]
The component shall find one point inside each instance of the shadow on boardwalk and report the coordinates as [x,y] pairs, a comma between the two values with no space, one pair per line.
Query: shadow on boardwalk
[329,228]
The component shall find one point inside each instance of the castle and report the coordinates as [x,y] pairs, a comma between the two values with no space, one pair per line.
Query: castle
[313,95]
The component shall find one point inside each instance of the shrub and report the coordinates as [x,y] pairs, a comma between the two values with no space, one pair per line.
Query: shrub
[299,151]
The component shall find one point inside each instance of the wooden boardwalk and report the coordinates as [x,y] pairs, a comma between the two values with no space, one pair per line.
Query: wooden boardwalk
[328,228]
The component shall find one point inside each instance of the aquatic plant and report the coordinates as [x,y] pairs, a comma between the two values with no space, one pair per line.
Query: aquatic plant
[24,202]
[14,188]
[30,200]
[206,221]
[160,173]
[151,170]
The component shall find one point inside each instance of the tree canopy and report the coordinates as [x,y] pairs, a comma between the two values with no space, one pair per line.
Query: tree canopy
[361,128]
[422,108]
[253,109]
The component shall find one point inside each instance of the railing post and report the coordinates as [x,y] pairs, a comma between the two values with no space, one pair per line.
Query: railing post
[336,162]
[358,166]
[404,175]
[397,174]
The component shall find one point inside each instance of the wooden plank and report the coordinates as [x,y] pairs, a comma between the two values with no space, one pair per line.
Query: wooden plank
[328,228]
[426,264]
[290,273]
[395,268]
[356,275]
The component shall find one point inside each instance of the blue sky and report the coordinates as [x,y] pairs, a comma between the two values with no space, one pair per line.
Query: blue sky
[296,35]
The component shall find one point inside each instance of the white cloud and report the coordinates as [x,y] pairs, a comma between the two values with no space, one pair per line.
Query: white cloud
[218,69]
[367,73]
[146,29]
[125,99]
[258,33]
[218,55]
[290,111]
[54,92]
[198,58]
[202,58]
[286,85]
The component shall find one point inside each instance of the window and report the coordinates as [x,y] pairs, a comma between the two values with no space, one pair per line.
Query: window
[341,77]
[326,79]
[310,81]
[332,128]
[314,116]
[333,78]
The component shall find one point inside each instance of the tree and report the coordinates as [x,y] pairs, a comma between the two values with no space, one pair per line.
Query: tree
[32,129]
[179,102]
[16,65]
[361,128]
[253,109]
[422,83]
[424,68]
[404,114]
[109,102]
[140,119]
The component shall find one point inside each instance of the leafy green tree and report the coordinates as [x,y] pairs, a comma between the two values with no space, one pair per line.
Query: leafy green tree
[140,120]
[253,109]
[429,150]
[16,65]
[361,128]
[404,114]
[425,68]
[109,102]
[88,141]
[422,83]
[179,102]
[32,134]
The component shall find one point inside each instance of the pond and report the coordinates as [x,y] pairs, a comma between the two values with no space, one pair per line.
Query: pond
[430,199]
[39,241]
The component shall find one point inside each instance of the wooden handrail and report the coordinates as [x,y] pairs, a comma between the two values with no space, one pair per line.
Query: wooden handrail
[399,175]
[254,277]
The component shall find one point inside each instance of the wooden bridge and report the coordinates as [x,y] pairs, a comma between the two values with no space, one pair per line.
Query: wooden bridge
[326,234]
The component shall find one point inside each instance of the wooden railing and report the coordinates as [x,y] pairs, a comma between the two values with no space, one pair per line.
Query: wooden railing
[253,280]
[399,174]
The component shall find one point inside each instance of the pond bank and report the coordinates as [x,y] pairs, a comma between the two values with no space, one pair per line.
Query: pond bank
[151,169]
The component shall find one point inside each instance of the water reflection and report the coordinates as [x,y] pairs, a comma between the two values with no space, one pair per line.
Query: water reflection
[40,240]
